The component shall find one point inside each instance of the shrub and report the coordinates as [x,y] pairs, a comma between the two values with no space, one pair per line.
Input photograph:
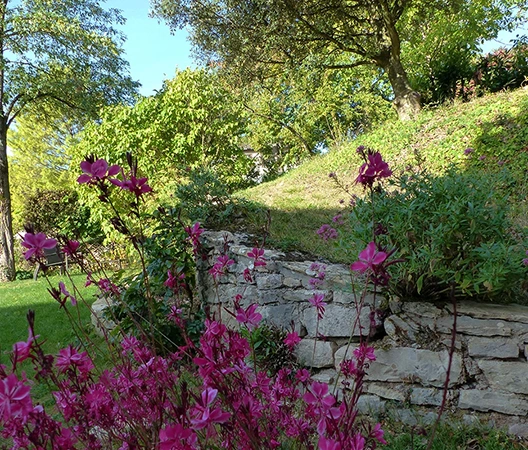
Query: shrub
[448,229]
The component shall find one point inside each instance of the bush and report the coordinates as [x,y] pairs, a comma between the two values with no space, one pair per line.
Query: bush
[207,199]
[449,229]
[57,212]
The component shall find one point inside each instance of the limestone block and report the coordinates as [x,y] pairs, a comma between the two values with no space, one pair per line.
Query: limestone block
[338,321]
[389,391]
[351,299]
[398,329]
[314,353]
[519,429]
[422,309]
[268,281]
[426,396]
[371,404]
[475,327]
[345,352]
[500,348]
[101,324]
[291,282]
[282,316]
[510,376]
[327,376]
[487,400]
[270,296]
[405,364]
[303,295]
[227,292]
[508,313]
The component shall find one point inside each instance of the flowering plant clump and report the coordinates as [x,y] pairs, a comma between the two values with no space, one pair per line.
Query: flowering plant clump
[194,394]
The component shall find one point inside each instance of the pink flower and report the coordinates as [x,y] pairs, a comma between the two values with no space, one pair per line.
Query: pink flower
[66,294]
[175,282]
[249,317]
[375,168]
[138,186]
[468,151]
[96,171]
[70,248]
[377,433]
[22,350]
[70,357]
[257,254]
[328,444]
[203,415]
[194,234]
[292,339]
[369,258]
[326,232]
[36,243]
[364,352]
[221,266]
[176,437]
[318,395]
[358,442]
[317,300]
[15,400]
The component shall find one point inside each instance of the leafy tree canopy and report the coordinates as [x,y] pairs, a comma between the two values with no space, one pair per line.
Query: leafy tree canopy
[259,38]
[63,53]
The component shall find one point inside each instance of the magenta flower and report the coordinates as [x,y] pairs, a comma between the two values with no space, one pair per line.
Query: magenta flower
[468,151]
[221,266]
[175,282]
[257,254]
[377,433]
[203,415]
[328,444]
[249,316]
[364,352]
[70,357]
[96,171]
[373,169]
[36,243]
[292,339]
[177,437]
[318,396]
[358,442]
[369,258]
[138,186]
[15,400]
[22,350]
[326,232]
[317,300]
[66,294]
[525,260]
[71,248]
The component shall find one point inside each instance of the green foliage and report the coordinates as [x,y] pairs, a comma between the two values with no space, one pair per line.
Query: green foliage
[146,306]
[307,110]
[58,213]
[271,353]
[449,229]
[191,122]
[206,199]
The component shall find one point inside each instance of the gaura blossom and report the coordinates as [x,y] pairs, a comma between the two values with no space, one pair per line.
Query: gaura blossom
[96,171]
[364,352]
[249,316]
[203,415]
[328,444]
[317,300]
[292,339]
[138,186]
[70,248]
[15,400]
[36,243]
[176,437]
[373,169]
[257,254]
[369,258]
[66,294]
[70,357]
[377,433]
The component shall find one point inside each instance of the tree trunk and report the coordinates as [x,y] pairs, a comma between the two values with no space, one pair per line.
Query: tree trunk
[406,99]
[7,257]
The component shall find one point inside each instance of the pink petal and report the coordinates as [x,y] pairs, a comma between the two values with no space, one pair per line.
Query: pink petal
[359,266]
[114,170]
[84,179]
[86,167]
[379,258]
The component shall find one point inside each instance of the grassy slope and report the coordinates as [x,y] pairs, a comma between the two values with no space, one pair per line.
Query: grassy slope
[496,126]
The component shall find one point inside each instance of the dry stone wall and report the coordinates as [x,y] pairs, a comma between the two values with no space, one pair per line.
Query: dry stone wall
[489,373]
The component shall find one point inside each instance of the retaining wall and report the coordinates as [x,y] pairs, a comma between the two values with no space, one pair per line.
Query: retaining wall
[489,373]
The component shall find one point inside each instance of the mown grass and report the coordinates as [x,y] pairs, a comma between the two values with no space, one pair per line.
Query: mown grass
[51,322]
[303,199]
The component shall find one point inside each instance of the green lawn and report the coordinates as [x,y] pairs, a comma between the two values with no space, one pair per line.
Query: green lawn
[51,323]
